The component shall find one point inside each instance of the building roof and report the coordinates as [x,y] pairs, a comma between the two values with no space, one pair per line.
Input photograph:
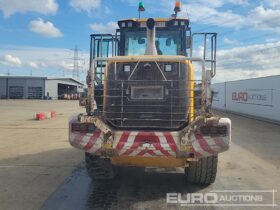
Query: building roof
[44,78]
[65,78]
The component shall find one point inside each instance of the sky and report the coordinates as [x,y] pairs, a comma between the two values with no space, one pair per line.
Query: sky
[38,37]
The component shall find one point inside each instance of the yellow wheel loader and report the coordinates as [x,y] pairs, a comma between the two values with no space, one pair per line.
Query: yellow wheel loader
[145,104]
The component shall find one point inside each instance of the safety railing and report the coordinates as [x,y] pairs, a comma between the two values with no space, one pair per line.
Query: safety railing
[209,55]
[148,104]
[122,108]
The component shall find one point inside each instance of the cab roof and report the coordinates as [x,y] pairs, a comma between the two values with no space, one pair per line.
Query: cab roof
[156,19]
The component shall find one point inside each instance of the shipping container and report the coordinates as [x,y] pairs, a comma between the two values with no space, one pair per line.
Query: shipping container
[259,97]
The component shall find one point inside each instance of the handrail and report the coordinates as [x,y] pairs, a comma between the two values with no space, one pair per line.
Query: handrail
[213,49]
[91,75]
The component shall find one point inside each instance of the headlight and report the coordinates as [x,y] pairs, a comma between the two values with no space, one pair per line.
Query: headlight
[126,68]
[168,67]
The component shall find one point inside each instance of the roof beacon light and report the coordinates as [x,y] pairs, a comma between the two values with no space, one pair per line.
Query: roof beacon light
[177,6]
[177,9]
[141,8]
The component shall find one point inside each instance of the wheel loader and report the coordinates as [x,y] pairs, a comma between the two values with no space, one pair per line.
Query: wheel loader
[148,101]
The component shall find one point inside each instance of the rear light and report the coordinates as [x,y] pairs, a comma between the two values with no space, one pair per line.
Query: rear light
[219,130]
[83,127]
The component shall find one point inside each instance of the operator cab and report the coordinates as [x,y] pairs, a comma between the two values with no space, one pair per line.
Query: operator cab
[171,38]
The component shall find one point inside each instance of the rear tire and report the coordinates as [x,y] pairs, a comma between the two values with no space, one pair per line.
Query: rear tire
[99,168]
[203,171]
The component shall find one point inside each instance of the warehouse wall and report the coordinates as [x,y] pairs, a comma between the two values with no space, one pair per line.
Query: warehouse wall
[25,83]
[51,88]
[3,87]
[258,97]
[22,88]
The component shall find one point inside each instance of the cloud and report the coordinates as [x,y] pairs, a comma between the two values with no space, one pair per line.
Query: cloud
[273,3]
[44,28]
[66,65]
[10,7]
[9,60]
[265,19]
[109,27]
[42,58]
[238,2]
[33,65]
[230,41]
[210,15]
[85,5]
[249,61]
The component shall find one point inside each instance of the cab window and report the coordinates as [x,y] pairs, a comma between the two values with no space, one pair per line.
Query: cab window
[167,42]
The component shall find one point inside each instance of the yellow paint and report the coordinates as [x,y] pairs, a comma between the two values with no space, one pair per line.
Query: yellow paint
[105,87]
[133,58]
[186,148]
[191,92]
[148,161]
[107,146]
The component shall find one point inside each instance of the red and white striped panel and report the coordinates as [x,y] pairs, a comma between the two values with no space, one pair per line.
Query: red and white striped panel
[146,144]
[89,142]
[204,146]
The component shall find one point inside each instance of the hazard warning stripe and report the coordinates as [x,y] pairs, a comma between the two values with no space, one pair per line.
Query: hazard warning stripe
[167,151]
[122,140]
[92,141]
[171,141]
[158,143]
[156,139]
[219,141]
[203,144]
[79,138]
[125,142]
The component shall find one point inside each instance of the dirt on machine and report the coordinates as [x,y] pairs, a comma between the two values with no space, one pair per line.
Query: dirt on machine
[149,99]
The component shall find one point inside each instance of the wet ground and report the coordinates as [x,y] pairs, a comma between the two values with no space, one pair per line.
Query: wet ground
[40,170]
[251,164]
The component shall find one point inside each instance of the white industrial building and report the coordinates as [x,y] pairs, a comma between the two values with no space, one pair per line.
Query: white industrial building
[29,87]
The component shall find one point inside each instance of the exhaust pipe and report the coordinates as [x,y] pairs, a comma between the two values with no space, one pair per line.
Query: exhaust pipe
[151,38]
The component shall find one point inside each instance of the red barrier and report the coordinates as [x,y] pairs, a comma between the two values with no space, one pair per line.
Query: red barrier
[40,116]
[53,114]
[45,115]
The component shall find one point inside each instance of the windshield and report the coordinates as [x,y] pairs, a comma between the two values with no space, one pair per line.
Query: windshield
[167,42]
